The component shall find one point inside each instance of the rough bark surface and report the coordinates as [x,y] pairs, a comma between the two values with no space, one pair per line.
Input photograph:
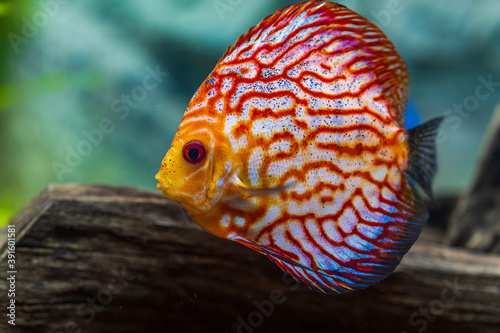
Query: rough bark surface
[116,259]
[475,223]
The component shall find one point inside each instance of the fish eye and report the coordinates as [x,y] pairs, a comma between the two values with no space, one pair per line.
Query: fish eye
[194,152]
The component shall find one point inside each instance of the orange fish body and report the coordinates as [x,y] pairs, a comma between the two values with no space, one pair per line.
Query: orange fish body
[294,146]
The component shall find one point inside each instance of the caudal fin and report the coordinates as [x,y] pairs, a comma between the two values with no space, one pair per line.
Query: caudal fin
[423,154]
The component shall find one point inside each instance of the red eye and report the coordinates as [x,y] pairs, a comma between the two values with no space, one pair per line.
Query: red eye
[194,152]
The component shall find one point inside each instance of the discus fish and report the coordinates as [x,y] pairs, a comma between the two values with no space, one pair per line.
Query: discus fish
[295,147]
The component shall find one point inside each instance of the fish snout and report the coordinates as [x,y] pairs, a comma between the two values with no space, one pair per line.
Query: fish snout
[163,182]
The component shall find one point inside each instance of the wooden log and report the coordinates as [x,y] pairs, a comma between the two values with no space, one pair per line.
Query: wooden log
[117,259]
[475,223]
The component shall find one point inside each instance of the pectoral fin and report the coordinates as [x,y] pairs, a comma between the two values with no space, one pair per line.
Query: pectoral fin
[262,191]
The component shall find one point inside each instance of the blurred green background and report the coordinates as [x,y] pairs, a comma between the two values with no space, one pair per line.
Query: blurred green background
[74,106]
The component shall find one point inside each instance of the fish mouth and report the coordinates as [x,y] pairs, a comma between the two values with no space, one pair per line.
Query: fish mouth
[189,201]
[162,184]
[170,190]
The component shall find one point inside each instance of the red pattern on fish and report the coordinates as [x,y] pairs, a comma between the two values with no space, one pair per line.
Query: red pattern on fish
[303,155]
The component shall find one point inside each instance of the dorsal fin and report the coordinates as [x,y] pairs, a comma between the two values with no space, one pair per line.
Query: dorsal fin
[283,14]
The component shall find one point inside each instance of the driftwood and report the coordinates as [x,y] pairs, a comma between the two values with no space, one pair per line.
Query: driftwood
[475,223]
[116,259]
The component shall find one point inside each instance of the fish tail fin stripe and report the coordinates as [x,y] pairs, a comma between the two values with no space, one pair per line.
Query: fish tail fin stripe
[423,166]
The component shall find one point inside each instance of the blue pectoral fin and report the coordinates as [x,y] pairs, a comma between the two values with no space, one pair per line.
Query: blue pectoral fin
[422,157]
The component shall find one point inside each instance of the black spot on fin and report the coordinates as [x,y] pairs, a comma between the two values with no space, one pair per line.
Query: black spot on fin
[422,158]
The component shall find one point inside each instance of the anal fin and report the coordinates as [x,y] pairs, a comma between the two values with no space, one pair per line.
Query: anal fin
[317,280]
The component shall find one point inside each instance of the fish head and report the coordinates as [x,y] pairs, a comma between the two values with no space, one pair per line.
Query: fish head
[195,170]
